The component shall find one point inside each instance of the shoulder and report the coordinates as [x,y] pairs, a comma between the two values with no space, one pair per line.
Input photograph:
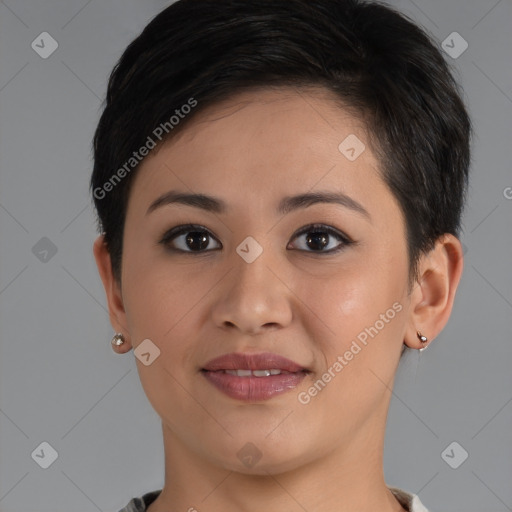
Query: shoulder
[142,503]
[410,502]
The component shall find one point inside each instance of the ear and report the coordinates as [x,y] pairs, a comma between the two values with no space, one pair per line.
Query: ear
[112,289]
[432,296]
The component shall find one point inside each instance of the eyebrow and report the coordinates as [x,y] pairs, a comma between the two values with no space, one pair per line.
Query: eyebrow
[286,205]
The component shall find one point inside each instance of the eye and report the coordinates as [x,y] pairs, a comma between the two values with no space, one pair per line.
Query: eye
[193,238]
[319,237]
[188,238]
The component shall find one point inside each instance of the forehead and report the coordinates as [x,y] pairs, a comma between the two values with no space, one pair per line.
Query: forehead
[265,136]
[273,116]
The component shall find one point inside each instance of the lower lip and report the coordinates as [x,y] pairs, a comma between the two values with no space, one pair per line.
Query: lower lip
[253,389]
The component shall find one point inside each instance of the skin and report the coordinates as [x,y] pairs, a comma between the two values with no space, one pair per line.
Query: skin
[294,300]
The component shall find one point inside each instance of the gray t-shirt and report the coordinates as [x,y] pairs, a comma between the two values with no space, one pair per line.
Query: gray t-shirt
[410,502]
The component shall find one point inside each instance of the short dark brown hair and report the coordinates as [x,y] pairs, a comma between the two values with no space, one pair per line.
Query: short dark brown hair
[377,61]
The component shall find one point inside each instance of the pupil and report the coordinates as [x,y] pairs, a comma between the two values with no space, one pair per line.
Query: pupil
[198,235]
[318,238]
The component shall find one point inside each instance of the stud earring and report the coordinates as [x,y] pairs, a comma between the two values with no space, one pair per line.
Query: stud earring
[117,339]
[423,339]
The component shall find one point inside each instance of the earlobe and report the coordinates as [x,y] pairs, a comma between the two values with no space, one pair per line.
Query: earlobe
[112,290]
[119,343]
[434,293]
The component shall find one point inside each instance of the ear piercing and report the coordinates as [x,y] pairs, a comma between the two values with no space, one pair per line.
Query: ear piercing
[423,339]
[117,339]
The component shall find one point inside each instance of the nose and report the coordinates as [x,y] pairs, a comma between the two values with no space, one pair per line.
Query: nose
[253,297]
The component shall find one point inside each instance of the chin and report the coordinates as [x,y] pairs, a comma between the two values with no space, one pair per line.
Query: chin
[263,459]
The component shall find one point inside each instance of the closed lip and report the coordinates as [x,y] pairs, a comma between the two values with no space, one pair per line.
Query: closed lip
[262,361]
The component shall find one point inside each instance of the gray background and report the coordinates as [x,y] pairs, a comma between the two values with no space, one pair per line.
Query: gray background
[61,382]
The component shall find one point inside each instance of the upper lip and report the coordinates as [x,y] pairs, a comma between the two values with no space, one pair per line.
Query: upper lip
[262,361]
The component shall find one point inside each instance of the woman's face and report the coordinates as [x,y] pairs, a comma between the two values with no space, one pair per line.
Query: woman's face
[254,278]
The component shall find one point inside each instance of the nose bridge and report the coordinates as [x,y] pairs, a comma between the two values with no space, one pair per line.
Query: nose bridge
[251,259]
[252,277]
[253,280]
[253,296]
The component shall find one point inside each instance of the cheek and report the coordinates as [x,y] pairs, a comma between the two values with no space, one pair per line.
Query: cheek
[357,327]
[155,295]
[160,308]
[361,304]
[150,305]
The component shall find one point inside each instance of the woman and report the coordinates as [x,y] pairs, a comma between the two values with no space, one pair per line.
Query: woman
[279,186]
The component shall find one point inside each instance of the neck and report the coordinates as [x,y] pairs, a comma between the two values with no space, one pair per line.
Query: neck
[347,479]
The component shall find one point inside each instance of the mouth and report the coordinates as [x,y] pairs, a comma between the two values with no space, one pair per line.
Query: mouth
[254,377]
[255,373]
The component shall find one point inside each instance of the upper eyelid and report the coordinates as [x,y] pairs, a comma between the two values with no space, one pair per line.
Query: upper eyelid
[325,227]
[179,230]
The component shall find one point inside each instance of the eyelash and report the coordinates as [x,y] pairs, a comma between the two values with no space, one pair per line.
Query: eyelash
[312,228]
